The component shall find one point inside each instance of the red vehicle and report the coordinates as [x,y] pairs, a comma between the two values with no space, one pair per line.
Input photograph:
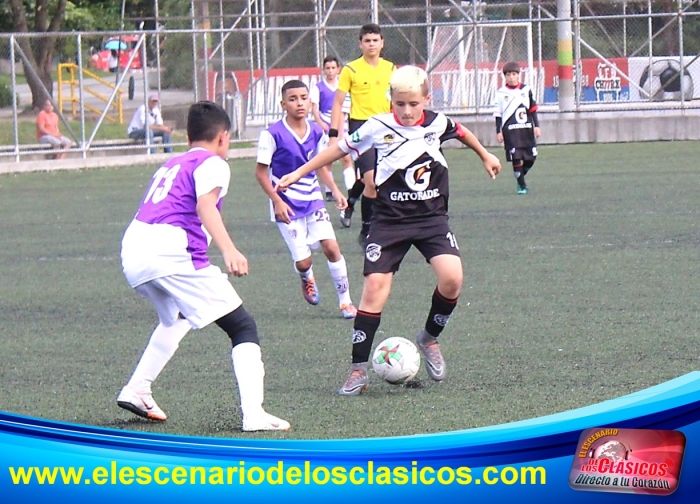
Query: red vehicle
[100,60]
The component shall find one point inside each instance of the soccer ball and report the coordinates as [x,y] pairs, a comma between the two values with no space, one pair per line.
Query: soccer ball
[663,81]
[396,360]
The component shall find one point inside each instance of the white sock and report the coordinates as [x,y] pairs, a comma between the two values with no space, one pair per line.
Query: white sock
[339,274]
[349,177]
[160,349]
[328,189]
[250,373]
[305,275]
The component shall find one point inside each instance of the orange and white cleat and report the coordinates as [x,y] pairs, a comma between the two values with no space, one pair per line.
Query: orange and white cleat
[348,311]
[140,404]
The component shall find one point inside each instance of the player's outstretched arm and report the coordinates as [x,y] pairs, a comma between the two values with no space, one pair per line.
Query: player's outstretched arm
[236,263]
[491,162]
[323,158]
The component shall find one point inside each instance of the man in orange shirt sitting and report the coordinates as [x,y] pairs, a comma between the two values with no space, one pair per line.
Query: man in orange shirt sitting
[47,130]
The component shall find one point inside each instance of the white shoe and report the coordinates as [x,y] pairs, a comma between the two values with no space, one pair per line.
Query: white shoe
[142,405]
[264,422]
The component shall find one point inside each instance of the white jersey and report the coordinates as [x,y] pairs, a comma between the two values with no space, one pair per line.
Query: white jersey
[411,174]
[515,108]
[141,120]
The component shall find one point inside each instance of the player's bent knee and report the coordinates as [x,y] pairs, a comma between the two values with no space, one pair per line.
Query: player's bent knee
[304,264]
[450,289]
[331,250]
[240,327]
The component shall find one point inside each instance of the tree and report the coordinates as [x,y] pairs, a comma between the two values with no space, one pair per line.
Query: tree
[48,16]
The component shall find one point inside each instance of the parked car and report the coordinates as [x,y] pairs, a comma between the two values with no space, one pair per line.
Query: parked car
[100,60]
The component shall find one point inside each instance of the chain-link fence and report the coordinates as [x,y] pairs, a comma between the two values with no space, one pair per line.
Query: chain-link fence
[627,55]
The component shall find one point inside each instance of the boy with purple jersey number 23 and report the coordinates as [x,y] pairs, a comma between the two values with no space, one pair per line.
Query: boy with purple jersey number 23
[300,212]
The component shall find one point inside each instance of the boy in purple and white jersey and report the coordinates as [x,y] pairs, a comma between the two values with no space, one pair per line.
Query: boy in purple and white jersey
[164,257]
[301,213]
[322,96]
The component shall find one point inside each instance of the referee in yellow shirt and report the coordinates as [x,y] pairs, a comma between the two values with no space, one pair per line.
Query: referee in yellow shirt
[367,81]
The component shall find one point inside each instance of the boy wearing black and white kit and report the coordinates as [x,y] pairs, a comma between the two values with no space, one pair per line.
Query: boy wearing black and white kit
[517,124]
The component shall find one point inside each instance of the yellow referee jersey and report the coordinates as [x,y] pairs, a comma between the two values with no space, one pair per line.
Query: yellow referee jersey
[368,87]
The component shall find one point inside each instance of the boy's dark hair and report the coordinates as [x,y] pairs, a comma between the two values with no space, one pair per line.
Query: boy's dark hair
[293,84]
[329,59]
[511,66]
[370,28]
[205,120]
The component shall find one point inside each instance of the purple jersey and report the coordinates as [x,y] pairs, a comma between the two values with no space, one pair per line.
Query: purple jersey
[326,96]
[283,151]
[167,237]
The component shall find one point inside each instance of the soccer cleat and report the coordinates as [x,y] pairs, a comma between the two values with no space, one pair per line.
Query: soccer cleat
[522,190]
[329,196]
[311,294]
[430,348]
[348,311]
[356,383]
[264,422]
[346,215]
[140,404]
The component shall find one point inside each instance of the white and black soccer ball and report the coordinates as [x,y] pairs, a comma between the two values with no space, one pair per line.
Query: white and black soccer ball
[396,360]
[664,81]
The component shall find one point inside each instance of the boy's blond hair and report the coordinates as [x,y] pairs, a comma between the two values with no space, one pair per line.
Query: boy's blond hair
[409,79]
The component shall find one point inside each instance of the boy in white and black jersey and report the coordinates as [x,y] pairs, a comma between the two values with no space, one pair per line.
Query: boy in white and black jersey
[517,124]
[410,209]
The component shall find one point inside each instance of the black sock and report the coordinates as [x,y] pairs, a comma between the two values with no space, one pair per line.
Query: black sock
[521,180]
[440,311]
[355,191]
[364,329]
[367,209]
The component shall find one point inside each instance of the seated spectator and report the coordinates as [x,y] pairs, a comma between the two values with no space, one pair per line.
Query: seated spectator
[150,124]
[47,131]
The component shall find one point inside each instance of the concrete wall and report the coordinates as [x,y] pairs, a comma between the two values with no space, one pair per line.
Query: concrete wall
[586,127]
[599,127]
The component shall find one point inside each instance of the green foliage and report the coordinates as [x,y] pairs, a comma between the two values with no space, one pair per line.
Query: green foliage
[5,95]
[6,92]
[177,62]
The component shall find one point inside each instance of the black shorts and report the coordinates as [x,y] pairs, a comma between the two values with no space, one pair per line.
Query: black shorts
[521,154]
[387,245]
[368,160]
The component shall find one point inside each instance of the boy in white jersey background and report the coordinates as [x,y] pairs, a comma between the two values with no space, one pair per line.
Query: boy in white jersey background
[300,213]
[164,257]
[322,95]
[410,209]
[517,124]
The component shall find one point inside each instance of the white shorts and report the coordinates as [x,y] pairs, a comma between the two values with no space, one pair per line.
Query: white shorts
[303,234]
[202,296]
